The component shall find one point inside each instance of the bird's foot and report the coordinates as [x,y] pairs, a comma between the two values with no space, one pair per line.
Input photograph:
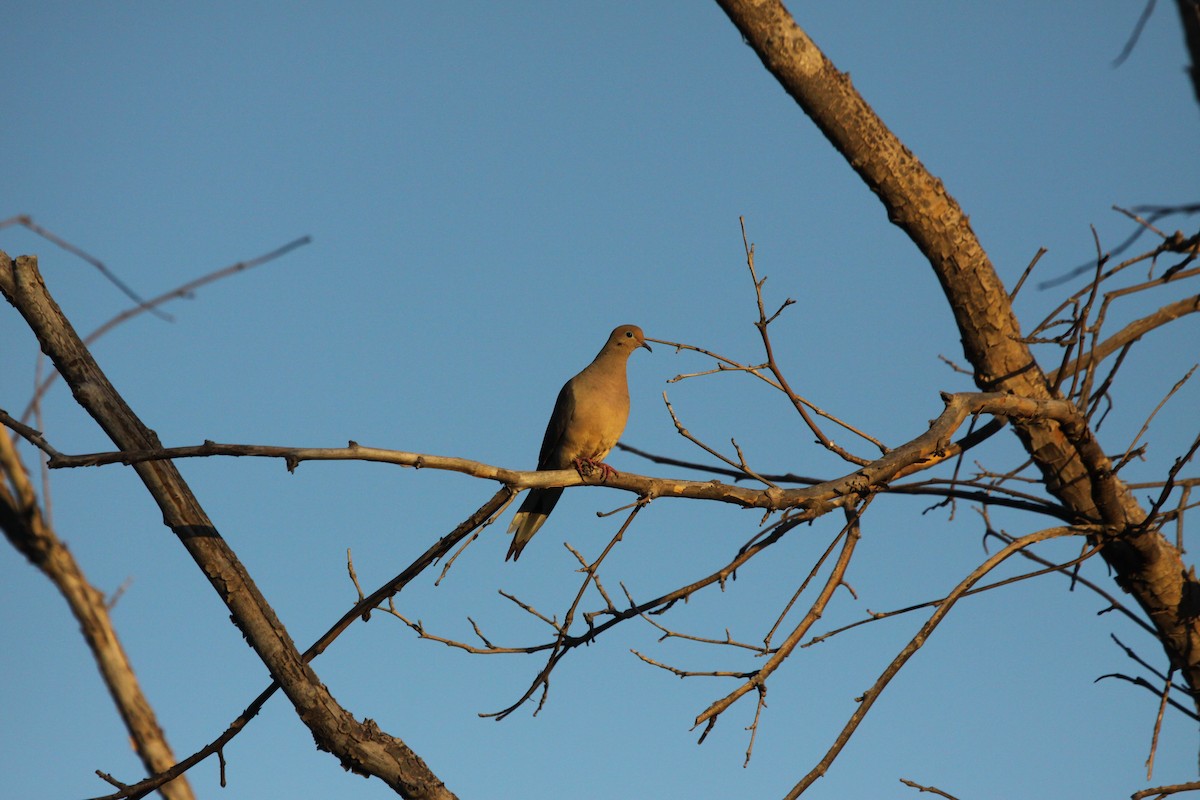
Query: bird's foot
[586,466]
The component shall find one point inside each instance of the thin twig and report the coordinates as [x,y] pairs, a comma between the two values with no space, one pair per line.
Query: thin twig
[75,250]
[1021,281]
[871,695]
[850,533]
[183,291]
[931,789]
[1158,720]
[740,465]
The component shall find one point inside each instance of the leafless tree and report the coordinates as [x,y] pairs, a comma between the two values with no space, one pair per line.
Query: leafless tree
[1049,385]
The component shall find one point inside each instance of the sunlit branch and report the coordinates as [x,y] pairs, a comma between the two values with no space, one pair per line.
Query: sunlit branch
[931,448]
[1050,567]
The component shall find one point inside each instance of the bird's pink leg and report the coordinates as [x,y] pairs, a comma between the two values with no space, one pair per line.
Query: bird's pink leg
[585,467]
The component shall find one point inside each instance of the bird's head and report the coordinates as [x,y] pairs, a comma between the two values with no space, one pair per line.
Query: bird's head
[627,338]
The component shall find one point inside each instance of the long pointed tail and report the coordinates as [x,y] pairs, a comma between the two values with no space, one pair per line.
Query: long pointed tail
[530,517]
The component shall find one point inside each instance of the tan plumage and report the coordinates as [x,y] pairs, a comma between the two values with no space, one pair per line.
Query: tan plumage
[588,419]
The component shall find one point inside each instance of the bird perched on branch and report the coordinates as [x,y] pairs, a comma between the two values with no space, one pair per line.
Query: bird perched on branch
[588,419]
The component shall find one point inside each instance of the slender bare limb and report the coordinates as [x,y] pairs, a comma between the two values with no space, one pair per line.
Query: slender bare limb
[871,695]
[836,575]
[1146,425]
[773,366]
[1024,275]
[931,789]
[1158,720]
[728,365]
[184,291]
[740,465]
[927,450]
[27,221]
[812,574]
[1050,567]
[562,645]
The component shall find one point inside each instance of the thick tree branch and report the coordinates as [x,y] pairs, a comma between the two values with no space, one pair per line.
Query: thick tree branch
[361,747]
[361,610]
[1071,463]
[25,526]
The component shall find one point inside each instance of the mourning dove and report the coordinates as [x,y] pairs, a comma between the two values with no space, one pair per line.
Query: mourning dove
[588,418]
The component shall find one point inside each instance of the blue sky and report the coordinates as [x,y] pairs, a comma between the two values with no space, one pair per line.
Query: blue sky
[490,188]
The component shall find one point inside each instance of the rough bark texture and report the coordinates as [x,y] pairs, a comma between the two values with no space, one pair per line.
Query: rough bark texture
[1073,466]
[23,524]
[361,747]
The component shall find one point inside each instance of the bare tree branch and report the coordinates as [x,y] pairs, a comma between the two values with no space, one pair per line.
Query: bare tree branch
[26,221]
[1072,465]
[186,290]
[28,531]
[929,449]
[758,679]
[932,789]
[1165,791]
[361,747]
[871,695]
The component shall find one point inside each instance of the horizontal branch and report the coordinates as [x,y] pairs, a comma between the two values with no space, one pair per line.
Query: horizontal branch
[925,451]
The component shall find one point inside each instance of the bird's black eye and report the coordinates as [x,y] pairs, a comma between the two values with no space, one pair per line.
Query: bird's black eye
[628,334]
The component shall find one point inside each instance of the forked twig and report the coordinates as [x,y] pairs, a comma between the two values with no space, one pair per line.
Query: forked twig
[561,645]
[871,695]
[850,533]
[740,465]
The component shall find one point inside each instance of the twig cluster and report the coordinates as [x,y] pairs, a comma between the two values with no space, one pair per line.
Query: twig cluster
[787,501]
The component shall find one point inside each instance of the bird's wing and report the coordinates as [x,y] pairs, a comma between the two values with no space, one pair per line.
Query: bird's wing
[550,456]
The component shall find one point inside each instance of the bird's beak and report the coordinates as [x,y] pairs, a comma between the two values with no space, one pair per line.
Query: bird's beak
[643,344]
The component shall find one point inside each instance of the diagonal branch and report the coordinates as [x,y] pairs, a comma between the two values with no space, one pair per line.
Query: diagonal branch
[1072,465]
[362,748]
[361,610]
[29,532]
[871,695]
[758,679]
